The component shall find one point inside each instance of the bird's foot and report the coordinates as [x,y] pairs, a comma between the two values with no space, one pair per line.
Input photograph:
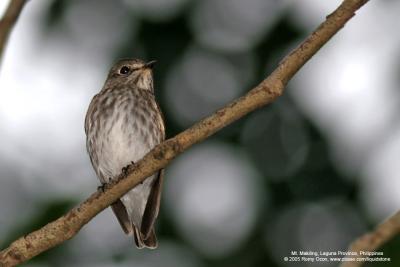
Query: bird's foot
[101,188]
[126,169]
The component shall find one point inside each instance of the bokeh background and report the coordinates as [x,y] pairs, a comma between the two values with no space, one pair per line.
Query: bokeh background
[312,171]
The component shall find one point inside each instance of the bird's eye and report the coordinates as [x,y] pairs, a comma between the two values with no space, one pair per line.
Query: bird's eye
[124,70]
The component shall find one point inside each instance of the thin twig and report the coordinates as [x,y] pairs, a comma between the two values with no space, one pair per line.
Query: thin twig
[373,240]
[8,21]
[267,91]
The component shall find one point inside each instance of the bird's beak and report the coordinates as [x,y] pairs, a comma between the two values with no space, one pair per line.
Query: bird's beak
[150,64]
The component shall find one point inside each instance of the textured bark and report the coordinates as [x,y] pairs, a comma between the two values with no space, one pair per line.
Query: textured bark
[8,21]
[375,239]
[67,226]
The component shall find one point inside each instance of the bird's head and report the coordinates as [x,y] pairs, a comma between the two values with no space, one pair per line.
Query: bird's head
[132,72]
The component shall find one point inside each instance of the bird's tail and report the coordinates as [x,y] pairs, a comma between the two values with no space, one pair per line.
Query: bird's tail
[141,241]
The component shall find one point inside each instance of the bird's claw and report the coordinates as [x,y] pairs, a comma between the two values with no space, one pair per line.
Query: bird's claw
[101,188]
[126,169]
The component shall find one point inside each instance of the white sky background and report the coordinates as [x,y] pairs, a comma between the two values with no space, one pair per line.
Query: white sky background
[349,90]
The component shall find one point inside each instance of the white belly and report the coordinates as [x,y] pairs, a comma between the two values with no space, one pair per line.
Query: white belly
[123,138]
[119,147]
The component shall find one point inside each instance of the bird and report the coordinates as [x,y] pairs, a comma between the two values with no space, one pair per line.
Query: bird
[122,124]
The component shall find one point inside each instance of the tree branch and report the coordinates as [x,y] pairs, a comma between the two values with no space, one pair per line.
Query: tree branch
[267,91]
[8,21]
[375,239]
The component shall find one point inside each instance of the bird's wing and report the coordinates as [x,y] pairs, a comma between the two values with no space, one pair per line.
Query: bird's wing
[120,212]
[89,113]
[150,242]
[152,207]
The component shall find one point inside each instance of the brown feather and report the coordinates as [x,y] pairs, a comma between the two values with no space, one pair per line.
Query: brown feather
[151,241]
[120,212]
[152,206]
[137,238]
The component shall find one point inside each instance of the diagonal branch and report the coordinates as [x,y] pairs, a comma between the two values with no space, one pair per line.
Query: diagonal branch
[267,91]
[8,21]
[373,240]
